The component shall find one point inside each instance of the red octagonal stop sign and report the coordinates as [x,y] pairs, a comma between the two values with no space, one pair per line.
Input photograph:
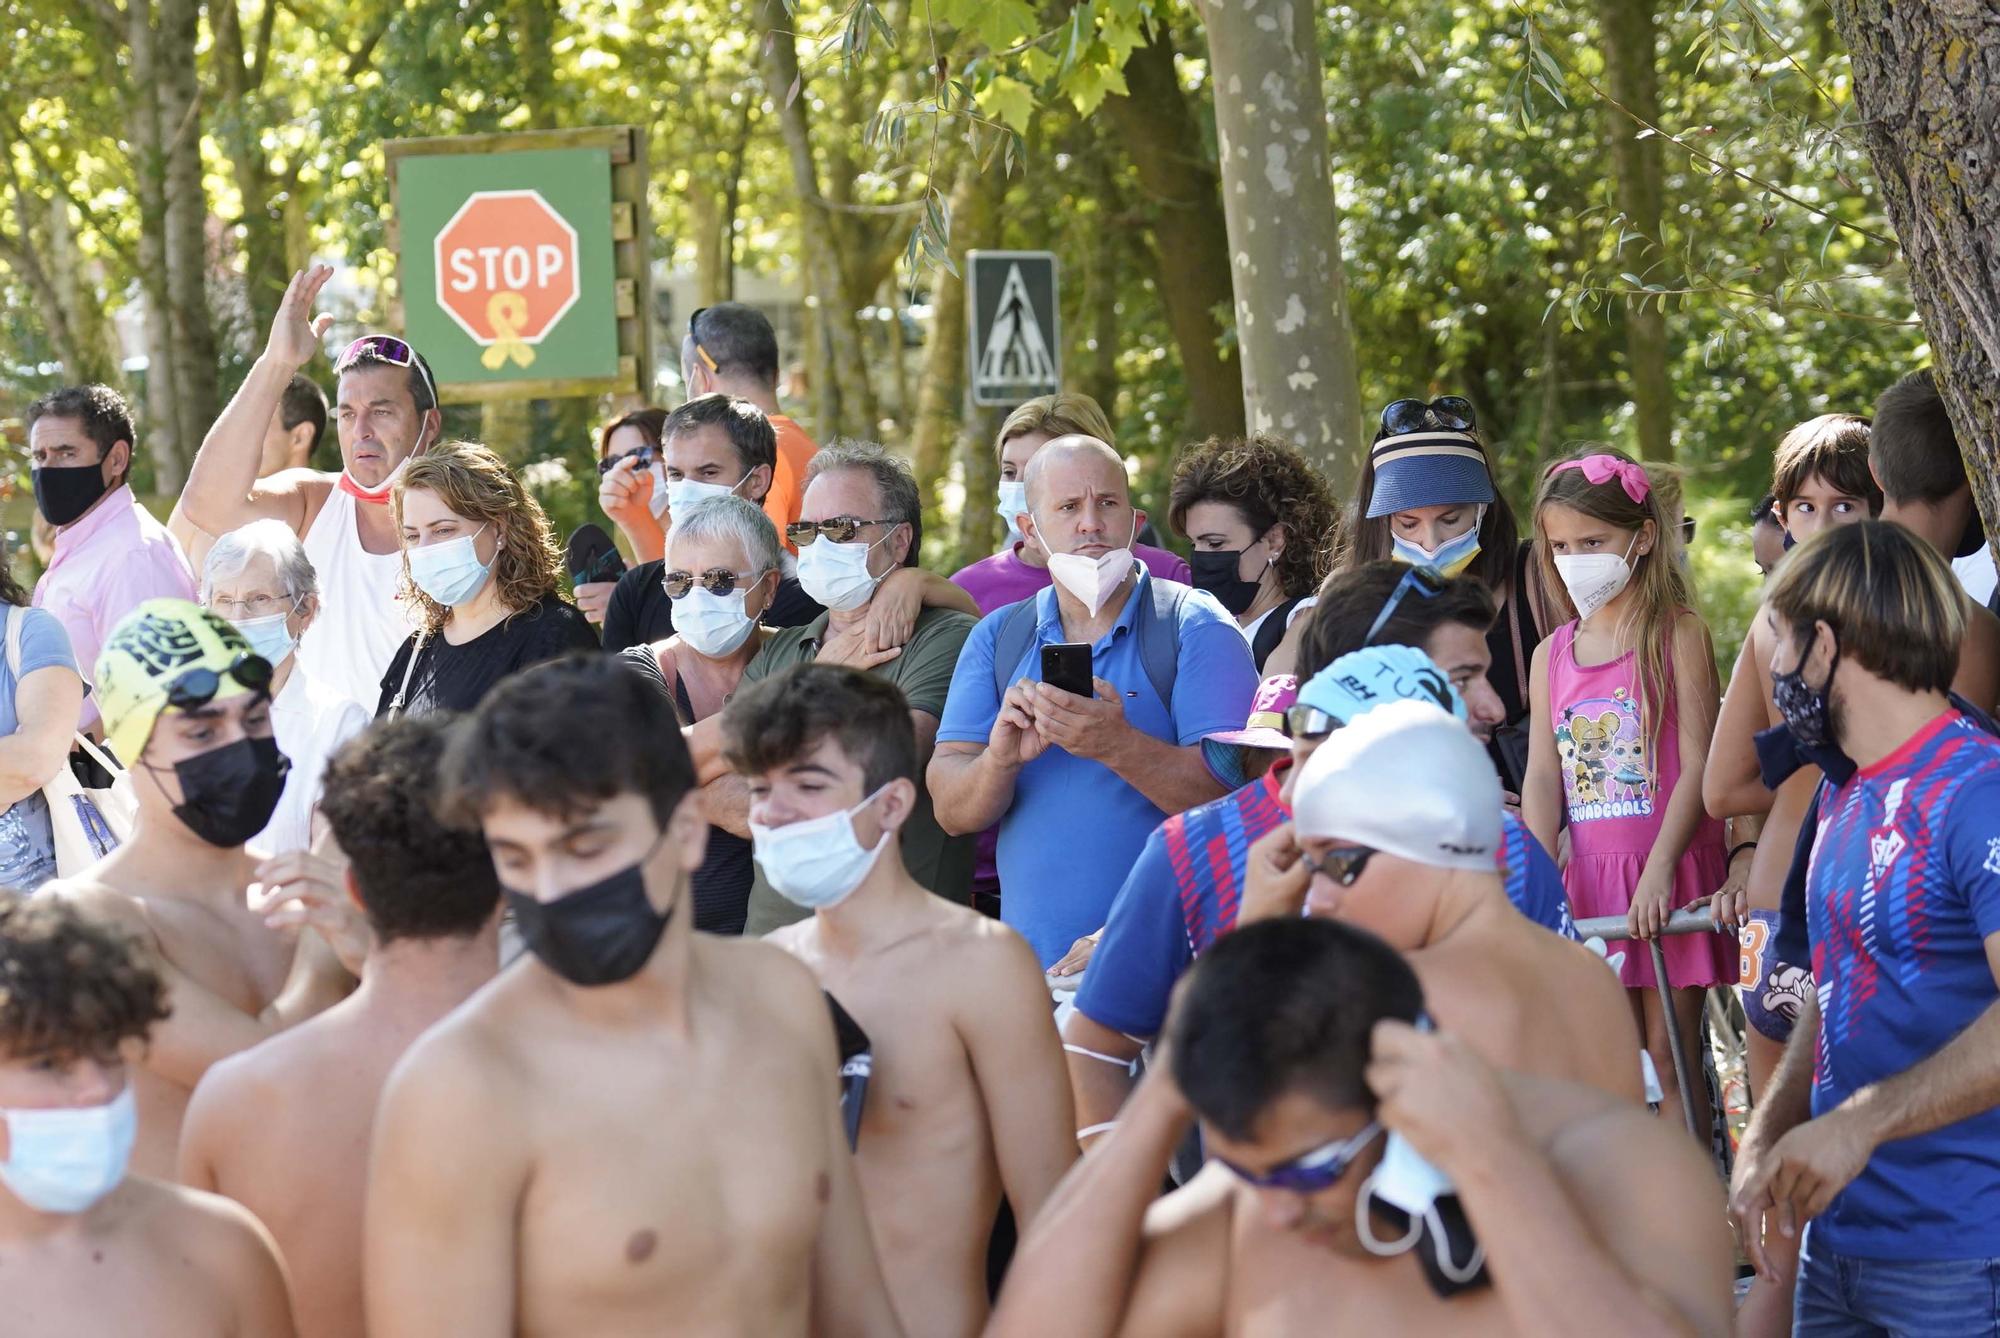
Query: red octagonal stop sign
[507,271]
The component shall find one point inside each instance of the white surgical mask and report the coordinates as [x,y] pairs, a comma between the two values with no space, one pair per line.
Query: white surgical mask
[1594,579]
[65,1159]
[817,863]
[714,625]
[451,572]
[684,493]
[1092,580]
[836,575]
[1013,501]
[270,637]
[657,503]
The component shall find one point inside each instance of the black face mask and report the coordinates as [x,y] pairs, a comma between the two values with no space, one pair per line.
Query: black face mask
[1974,537]
[63,495]
[1808,713]
[596,935]
[228,794]
[1217,573]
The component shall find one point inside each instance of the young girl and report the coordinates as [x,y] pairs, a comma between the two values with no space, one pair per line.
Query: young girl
[1624,699]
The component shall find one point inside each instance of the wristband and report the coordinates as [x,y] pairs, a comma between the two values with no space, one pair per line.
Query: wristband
[1095,1129]
[1739,848]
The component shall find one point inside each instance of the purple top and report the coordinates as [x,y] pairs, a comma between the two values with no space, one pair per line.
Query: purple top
[1004,579]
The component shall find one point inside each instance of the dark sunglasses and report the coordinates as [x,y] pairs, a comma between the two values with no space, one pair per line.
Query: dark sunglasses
[840,529]
[642,458]
[1309,723]
[1314,1170]
[197,687]
[1451,412]
[1425,582]
[695,339]
[716,580]
[389,349]
[1342,864]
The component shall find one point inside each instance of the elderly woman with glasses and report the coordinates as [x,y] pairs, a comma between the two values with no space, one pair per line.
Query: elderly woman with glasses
[260,579]
[723,566]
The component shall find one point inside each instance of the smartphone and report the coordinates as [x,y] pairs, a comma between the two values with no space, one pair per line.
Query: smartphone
[1066,665]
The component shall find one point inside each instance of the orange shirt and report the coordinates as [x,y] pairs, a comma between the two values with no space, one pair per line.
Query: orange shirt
[788,480]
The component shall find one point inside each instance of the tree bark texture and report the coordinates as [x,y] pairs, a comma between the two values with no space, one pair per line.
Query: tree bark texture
[1293,327]
[852,408]
[164,436]
[1631,74]
[1182,194]
[199,396]
[975,197]
[1927,80]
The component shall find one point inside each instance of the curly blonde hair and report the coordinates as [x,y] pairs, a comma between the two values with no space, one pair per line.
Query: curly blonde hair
[477,486]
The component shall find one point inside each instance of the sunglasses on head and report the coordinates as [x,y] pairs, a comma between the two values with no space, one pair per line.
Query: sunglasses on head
[389,349]
[1450,412]
[1423,581]
[1308,723]
[840,529]
[1314,1170]
[197,687]
[1342,864]
[716,580]
[695,339]
[642,458]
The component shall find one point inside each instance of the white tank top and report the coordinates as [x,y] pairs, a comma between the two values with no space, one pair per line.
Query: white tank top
[361,622]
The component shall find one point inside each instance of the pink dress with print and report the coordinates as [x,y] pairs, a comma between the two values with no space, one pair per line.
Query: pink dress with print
[1617,798]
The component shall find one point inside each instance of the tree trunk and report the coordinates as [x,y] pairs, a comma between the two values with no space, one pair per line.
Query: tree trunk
[97,355]
[198,398]
[1927,83]
[941,396]
[239,126]
[711,237]
[852,399]
[1157,129]
[164,438]
[1632,77]
[1292,323]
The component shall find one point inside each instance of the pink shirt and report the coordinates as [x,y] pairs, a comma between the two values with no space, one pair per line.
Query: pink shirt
[1004,579]
[105,565]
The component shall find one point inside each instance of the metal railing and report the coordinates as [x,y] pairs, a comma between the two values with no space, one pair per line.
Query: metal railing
[1615,929]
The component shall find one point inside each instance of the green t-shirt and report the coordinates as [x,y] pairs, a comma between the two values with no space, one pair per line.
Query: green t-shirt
[923,671]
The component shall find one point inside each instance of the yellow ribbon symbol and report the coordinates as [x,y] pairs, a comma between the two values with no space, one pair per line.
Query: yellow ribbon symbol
[506,313]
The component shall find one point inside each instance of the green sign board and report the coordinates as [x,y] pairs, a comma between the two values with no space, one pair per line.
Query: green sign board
[520,264]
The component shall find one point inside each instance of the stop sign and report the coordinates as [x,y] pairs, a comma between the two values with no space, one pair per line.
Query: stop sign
[507,271]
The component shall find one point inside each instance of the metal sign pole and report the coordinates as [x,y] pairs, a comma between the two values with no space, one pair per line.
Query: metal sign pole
[1616,929]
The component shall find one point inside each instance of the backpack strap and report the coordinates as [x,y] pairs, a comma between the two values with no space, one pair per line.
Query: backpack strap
[1159,633]
[1011,640]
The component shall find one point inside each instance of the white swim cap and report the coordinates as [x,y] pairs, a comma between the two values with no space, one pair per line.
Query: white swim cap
[1408,779]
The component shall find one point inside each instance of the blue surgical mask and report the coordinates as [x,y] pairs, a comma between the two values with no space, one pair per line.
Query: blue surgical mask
[1449,558]
[270,637]
[682,494]
[451,572]
[837,575]
[819,862]
[713,625]
[65,1159]
[1013,501]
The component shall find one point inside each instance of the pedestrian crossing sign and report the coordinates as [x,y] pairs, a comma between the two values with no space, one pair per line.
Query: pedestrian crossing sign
[1013,342]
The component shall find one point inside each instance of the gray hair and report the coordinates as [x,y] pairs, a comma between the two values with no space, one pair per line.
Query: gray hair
[894,480]
[734,519]
[273,539]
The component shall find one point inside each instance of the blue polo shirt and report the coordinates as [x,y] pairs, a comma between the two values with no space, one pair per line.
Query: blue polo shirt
[1075,827]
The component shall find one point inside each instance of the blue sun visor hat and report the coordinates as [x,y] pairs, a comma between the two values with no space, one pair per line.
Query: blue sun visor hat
[1429,468]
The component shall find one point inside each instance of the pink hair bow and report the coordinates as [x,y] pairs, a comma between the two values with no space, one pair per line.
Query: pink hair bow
[1601,469]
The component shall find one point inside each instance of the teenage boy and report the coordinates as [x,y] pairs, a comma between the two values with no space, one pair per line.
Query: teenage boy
[635,1129]
[966,1096]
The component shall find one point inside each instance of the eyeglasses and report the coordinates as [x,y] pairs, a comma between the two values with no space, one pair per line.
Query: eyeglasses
[389,349]
[716,580]
[1424,581]
[840,529]
[695,339]
[1342,864]
[642,458]
[1312,1171]
[197,687]
[257,606]
[1309,723]
[1451,412]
